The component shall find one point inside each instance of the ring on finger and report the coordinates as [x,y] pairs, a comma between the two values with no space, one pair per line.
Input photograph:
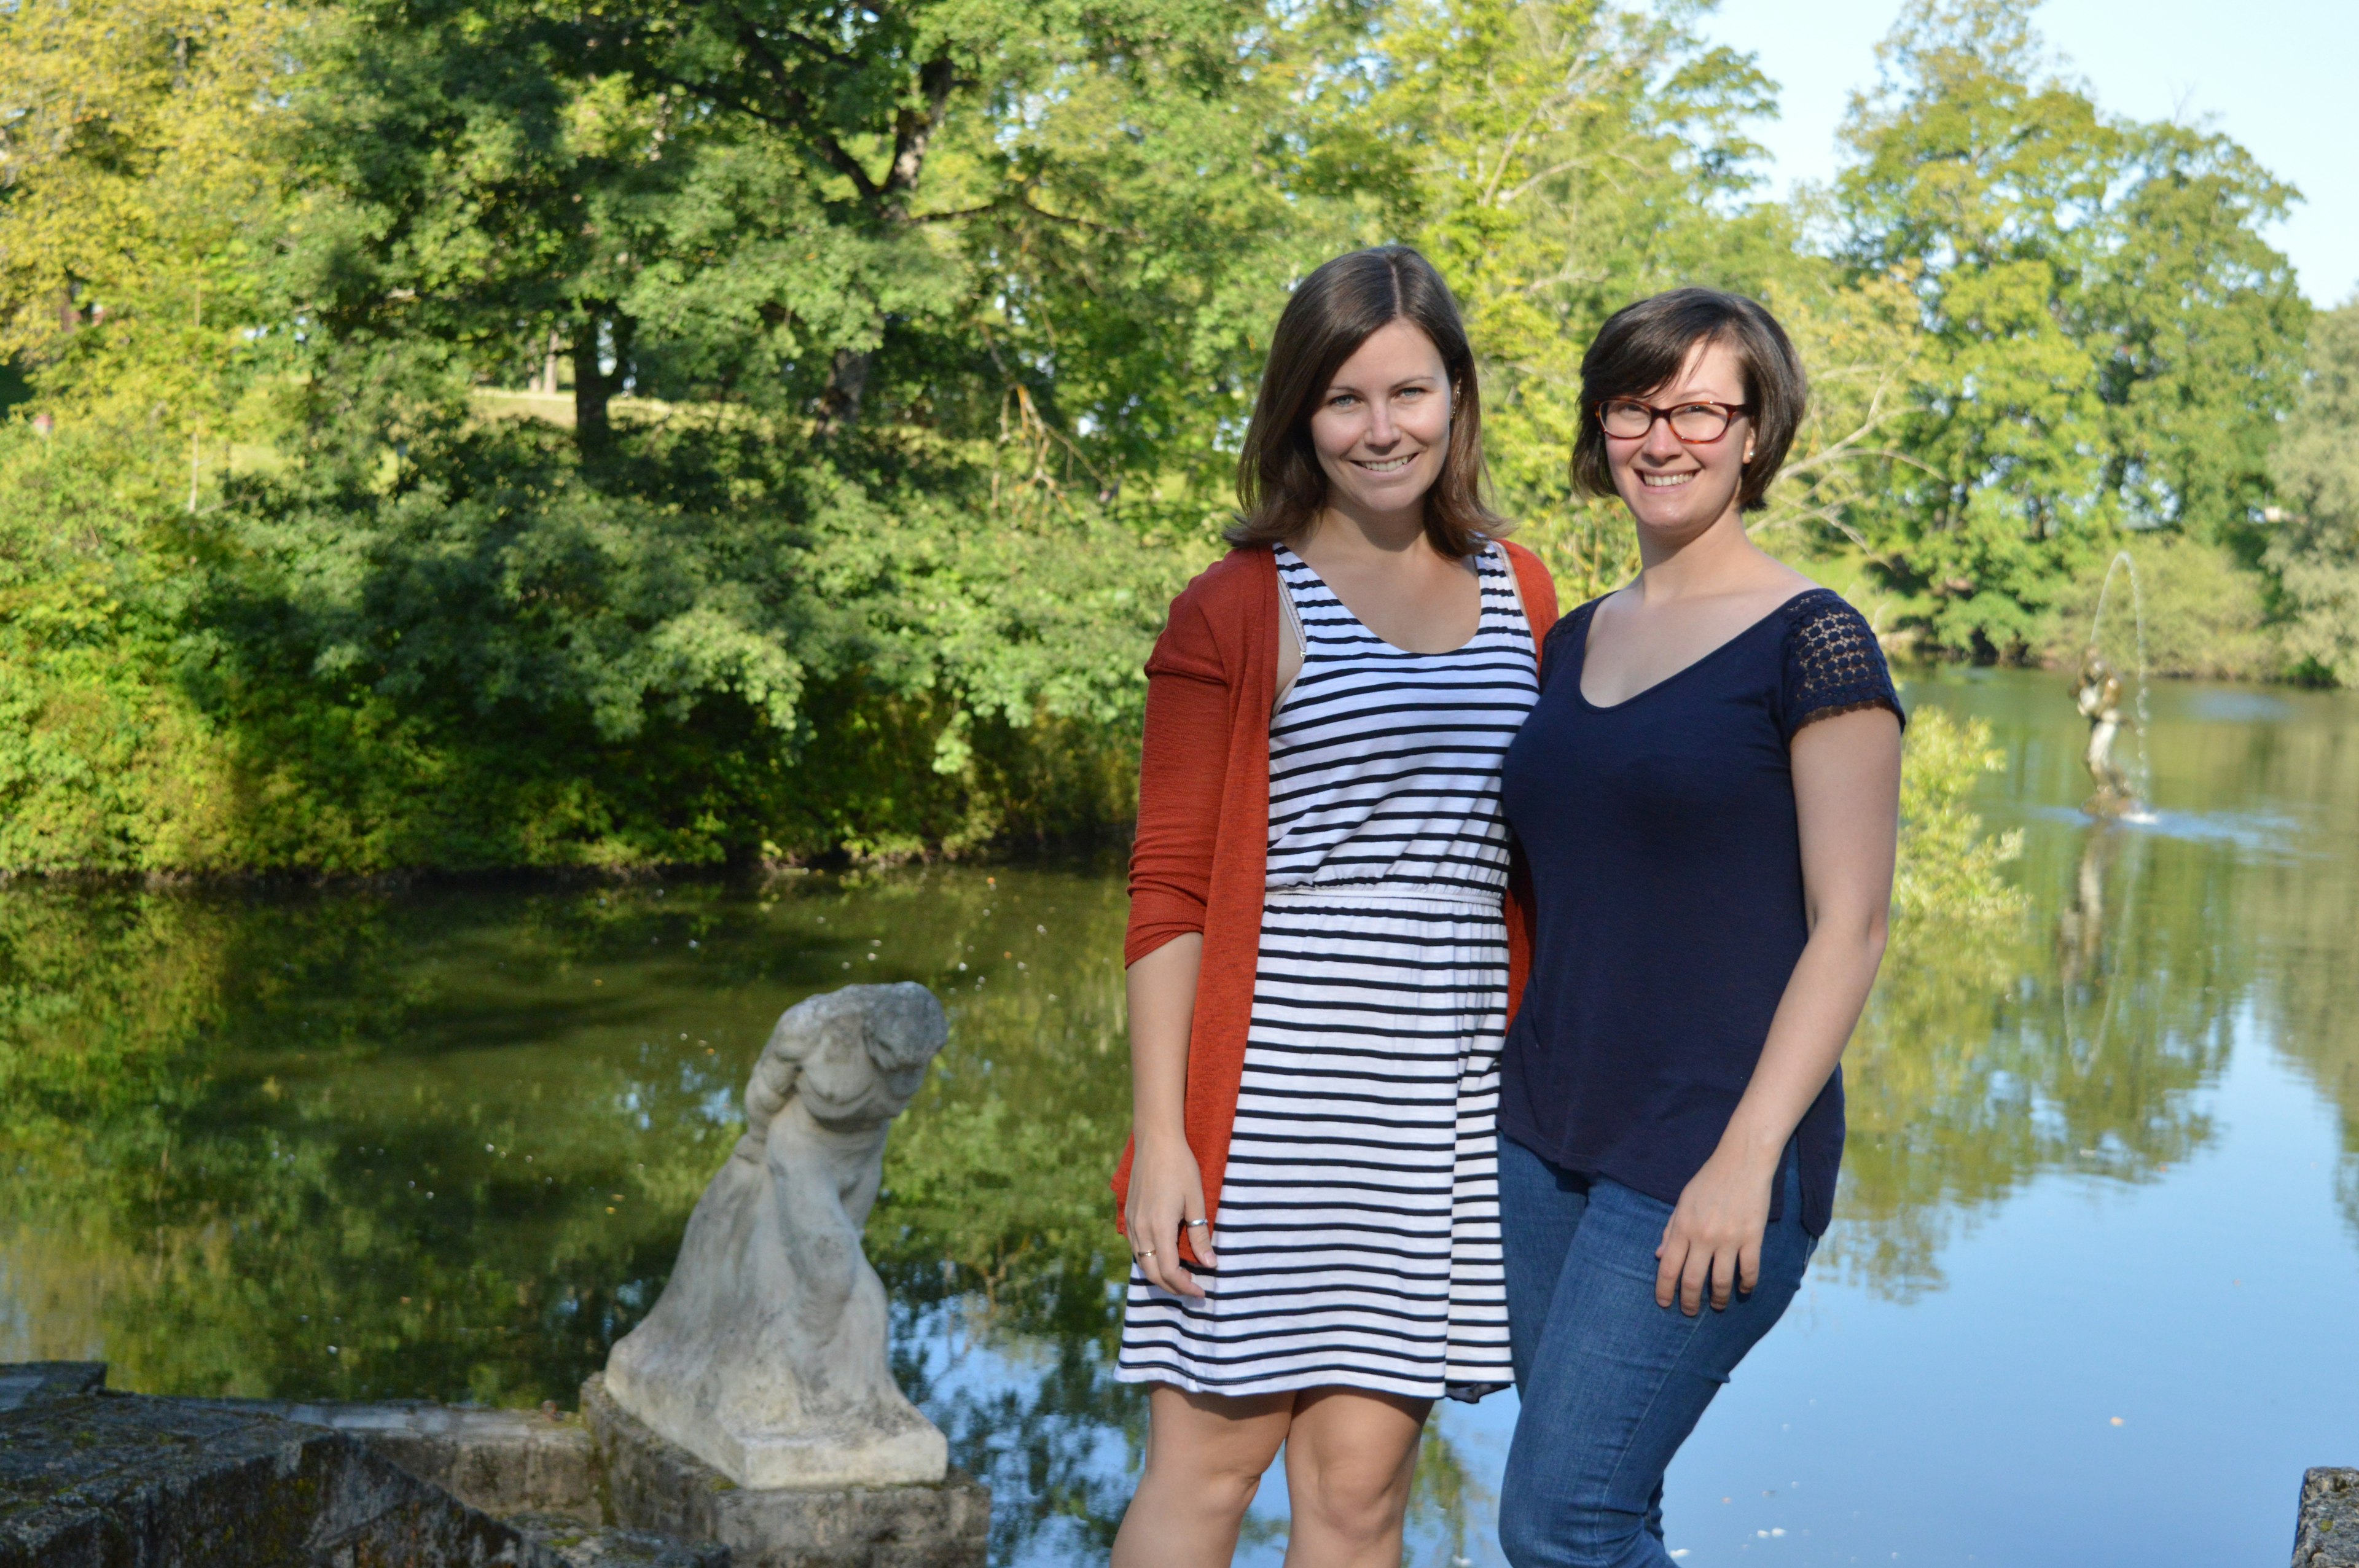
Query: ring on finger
[1194,1223]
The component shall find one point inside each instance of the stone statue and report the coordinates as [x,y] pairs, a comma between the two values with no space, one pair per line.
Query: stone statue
[765,1355]
[2098,694]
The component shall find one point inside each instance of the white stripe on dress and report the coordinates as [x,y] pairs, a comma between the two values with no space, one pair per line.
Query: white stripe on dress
[1358,1239]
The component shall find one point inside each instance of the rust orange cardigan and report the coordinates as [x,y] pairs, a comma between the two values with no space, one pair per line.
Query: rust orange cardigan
[1201,855]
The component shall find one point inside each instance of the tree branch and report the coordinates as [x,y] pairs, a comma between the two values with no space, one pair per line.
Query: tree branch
[799,116]
[913,131]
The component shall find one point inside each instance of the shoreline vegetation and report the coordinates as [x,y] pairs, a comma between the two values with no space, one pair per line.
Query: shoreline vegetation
[489,435]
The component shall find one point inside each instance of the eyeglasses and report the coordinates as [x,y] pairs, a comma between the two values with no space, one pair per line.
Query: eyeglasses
[1696,424]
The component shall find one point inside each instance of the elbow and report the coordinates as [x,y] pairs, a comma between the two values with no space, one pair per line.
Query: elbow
[1861,934]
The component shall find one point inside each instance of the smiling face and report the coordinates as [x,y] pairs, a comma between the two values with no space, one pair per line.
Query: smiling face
[1677,488]
[1382,426]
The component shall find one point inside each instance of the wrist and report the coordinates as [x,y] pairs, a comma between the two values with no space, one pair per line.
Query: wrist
[1156,1141]
[1755,1152]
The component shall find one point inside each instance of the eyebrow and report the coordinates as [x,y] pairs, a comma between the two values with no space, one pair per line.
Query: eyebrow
[1661,400]
[1335,386]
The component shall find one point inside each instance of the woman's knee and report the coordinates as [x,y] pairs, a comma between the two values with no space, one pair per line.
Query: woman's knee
[1356,1498]
[1223,1483]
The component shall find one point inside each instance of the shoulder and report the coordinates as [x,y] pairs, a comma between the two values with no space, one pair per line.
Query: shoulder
[1221,609]
[1230,588]
[1535,582]
[1572,627]
[1834,662]
[1235,581]
[1820,614]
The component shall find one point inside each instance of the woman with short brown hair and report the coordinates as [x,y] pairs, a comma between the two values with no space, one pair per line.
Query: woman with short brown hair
[1320,952]
[1706,796]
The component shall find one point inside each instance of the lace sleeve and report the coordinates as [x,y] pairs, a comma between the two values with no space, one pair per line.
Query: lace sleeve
[1833,664]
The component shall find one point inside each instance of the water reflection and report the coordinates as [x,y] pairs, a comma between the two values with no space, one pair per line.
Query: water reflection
[441,1143]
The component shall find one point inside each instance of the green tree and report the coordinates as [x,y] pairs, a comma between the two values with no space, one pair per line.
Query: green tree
[1559,159]
[2108,337]
[1973,173]
[2197,329]
[2314,551]
[139,197]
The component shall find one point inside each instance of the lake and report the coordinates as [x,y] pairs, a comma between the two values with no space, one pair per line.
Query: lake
[2091,1295]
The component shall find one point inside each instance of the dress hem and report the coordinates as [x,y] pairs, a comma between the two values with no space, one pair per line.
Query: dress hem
[1406,1387]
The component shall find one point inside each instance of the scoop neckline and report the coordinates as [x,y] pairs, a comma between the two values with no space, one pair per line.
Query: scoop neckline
[1590,617]
[1473,637]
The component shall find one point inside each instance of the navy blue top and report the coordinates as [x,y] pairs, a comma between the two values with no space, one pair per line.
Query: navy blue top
[1666,875]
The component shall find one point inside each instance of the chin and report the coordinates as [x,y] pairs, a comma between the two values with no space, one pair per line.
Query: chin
[1667,516]
[1392,494]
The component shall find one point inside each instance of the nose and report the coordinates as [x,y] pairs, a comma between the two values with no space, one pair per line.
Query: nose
[1660,445]
[1382,432]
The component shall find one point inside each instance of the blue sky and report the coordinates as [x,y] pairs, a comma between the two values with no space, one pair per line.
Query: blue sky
[2281,76]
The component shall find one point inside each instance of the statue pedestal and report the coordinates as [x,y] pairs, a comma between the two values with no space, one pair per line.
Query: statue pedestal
[2328,1534]
[656,1484]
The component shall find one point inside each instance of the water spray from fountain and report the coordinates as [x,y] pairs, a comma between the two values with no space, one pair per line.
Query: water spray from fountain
[2098,689]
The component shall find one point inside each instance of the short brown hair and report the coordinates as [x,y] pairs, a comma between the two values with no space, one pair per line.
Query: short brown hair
[1642,346]
[1280,486]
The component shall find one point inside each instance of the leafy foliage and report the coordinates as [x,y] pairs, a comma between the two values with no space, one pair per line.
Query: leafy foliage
[2107,340]
[1949,870]
[2315,551]
[495,432]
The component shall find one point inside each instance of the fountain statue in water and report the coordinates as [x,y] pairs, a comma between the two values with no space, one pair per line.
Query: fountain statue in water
[2098,690]
[2099,695]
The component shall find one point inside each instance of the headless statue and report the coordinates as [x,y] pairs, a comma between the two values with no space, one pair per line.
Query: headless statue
[2098,694]
[765,1355]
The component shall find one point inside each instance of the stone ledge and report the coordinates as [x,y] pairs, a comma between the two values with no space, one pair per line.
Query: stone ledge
[101,1479]
[25,1383]
[557,1542]
[655,1484]
[2328,1535]
[93,1480]
[503,1462]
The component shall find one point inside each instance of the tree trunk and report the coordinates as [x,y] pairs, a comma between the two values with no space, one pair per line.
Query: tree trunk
[591,429]
[847,378]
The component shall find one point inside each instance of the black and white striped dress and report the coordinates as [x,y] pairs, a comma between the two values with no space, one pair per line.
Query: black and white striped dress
[1358,1224]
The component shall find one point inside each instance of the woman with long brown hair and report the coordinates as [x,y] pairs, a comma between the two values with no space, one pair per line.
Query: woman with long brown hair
[1320,953]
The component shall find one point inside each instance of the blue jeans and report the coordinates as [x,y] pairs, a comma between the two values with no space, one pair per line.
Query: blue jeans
[1612,1384]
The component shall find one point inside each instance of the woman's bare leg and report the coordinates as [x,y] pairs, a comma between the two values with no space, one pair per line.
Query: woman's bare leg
[1205,1457]
[1350,1457]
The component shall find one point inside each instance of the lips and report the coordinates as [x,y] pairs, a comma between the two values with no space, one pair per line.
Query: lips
[1664,480]
[1384,465]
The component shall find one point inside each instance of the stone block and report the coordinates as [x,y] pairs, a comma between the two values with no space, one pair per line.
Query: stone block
[656,1484]
[2328,1533]
[25,1383]
[554,1540]
[98,1480]
[90,1479]
[503,1462]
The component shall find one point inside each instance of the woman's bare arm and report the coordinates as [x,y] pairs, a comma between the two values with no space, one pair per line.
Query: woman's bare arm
[1167,1188]
[1847,805]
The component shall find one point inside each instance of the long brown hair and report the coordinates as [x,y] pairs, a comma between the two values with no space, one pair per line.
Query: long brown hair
[1280,486]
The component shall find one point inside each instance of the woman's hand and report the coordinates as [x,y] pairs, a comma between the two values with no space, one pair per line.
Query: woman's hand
[1166,1191]
[1166,1187]
[1713,1240]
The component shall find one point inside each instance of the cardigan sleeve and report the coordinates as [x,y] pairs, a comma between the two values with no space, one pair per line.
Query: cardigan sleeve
[1182,775]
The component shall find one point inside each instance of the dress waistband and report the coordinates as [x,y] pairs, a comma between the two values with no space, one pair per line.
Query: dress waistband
[1387,895]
